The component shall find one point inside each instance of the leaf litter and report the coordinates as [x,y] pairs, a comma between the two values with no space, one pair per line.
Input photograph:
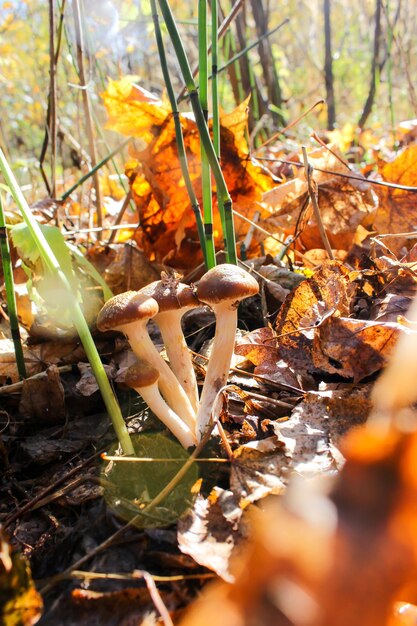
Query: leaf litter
[301,490]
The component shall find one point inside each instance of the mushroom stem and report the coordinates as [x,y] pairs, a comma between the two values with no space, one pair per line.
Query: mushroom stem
[167,416]
[170,388]
[178,353]
[219,363]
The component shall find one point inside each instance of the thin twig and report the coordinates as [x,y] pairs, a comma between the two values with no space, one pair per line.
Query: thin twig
[361,179]
[119,217]
[87,107]
[131,523]
[94,169]
[137,573]
[312,192]
[51,115]
[156,598]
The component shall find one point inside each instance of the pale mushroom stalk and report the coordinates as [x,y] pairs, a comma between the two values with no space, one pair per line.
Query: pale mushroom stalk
[174,299]
[172,391]
[129,313]
[143,378]
[167,416]
[219,362]
[222,288]
[178,353]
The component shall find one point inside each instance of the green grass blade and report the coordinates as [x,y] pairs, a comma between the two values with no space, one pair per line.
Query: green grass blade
[205,165]
[179,136]
[203,130]
[79,321]
[10,294]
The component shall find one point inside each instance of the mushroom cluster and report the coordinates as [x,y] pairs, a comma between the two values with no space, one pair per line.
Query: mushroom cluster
[171,391]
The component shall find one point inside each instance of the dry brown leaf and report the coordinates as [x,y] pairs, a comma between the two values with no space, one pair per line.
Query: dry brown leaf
[257,470]
[344,204]
[43,399]
[397,212]
[353,348]
[209,532]
[319,297]
[168,230]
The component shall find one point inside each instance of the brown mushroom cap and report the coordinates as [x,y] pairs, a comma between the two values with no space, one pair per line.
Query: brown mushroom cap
[226,282]
[170,297]
[126,308]
[141,374]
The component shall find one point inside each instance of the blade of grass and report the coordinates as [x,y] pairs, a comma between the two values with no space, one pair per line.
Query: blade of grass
[94,170]
[179,136]
[10,294]
[205,165]
[215,94]
[252,45]
[229,234]
[72,303]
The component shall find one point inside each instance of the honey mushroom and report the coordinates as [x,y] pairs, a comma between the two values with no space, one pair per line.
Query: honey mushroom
[222,288]
[129,313]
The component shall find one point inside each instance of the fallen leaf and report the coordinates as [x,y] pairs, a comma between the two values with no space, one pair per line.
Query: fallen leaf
[344,204]
[20,603]
[317,298]
[397,212]
[209,532]
[353,348]
[43,399]
[257,470]
[168,230]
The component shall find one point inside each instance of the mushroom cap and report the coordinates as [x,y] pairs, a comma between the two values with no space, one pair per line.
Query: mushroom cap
[226,282]
[126,308]
[171,297]
[141,374]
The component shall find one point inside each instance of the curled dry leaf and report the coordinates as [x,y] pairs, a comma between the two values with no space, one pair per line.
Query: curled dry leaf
[344,204]
[259,347]
[353,348]
[316,299]
[209,532]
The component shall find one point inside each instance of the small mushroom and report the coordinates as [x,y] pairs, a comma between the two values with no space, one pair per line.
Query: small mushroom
[222,288]
[143,377]
[129,313]
[174,299]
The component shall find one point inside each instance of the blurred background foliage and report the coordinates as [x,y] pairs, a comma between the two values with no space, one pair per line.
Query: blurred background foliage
[285,74]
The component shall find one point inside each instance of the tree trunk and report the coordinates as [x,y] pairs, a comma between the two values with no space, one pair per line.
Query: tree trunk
[328,67]
[267,61]
[375,68]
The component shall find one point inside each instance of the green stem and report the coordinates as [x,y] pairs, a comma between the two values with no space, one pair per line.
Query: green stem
[215,97]
[205,165]
[205,138]
[178,134]
[10,294]
[71,302]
